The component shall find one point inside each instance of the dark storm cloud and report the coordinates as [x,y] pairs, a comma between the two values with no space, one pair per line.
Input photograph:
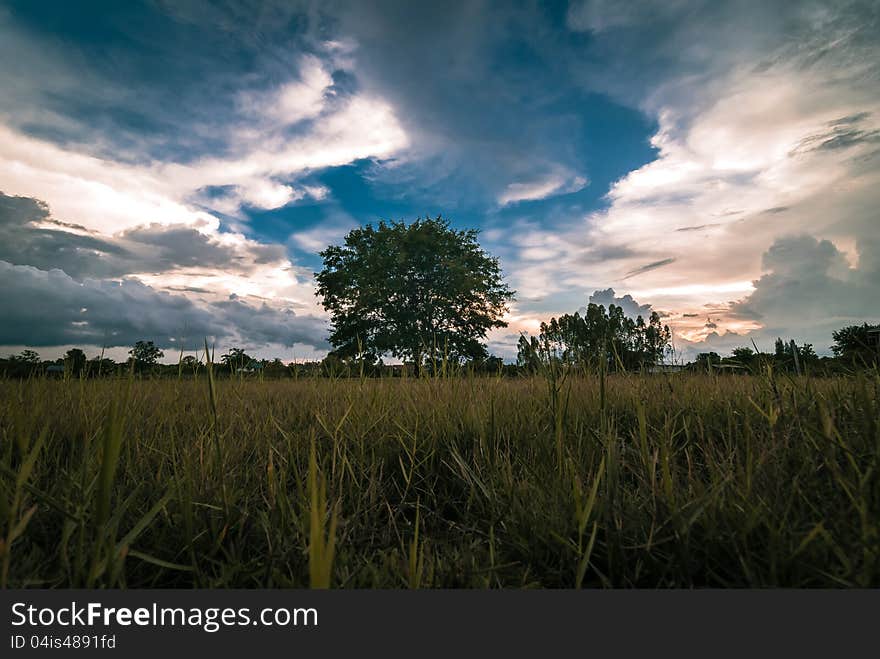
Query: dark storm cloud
[78,254]
[463,84]
[60,287]
[182,246]
[266,325]
[45,308]
[30,236]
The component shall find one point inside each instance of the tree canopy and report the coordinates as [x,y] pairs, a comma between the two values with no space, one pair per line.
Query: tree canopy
[146,353]
[75,361]
[623,343]
[855,344]
[421,291]
[236,358]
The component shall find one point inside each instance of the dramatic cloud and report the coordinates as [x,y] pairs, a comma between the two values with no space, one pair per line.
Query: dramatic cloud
[810,289]
[62,284]
[775,135]
[29,235]
[710,134]
[260,170]
[47,308]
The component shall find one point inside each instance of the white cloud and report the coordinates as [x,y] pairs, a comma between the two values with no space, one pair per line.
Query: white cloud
[362,127]
[98,194]
[297,100]
[541,188]
[267,160]
[319,237]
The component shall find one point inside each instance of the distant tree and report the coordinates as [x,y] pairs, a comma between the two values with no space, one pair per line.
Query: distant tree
[780,348]
[655,344]
[807,353]
[333,366]
[491,365]
[706,360]
[101,366]
[791,357]
[744,354]
[853,344]
[420,292]
[190,362]
[529,354]
[29,357]
[21,365]
[596,337]
[145,354]
[236,358]
[75,361]
[275,368]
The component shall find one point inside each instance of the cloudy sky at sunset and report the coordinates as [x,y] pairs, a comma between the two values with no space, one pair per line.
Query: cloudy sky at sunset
[170,170]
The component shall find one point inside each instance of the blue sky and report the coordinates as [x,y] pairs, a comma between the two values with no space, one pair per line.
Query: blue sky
[187,160]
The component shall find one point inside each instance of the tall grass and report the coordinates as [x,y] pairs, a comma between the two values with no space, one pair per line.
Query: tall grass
[555,481]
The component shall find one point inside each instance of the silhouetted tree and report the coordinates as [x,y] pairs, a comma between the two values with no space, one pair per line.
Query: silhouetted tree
[529,354]
[145,355]
[101,366]
[29,357]
[791,357]
[236,358]
[743,355]
[598,336]
[420,292]
[854,344]
[75,361]
[190,362]
[707,360]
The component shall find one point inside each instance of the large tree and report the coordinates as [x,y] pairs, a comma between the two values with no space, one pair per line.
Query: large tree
[420,292]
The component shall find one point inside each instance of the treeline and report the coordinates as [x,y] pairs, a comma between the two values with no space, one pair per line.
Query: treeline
[235,363]
[599,339]
[855,348]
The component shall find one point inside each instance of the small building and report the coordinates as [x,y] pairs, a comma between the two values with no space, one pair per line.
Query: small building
[874,338]
[665,368]
[252,367]
[55,370]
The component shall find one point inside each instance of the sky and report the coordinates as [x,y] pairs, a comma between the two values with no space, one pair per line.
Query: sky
[170,171]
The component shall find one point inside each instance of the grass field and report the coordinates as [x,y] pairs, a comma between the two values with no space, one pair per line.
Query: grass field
[475,482]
